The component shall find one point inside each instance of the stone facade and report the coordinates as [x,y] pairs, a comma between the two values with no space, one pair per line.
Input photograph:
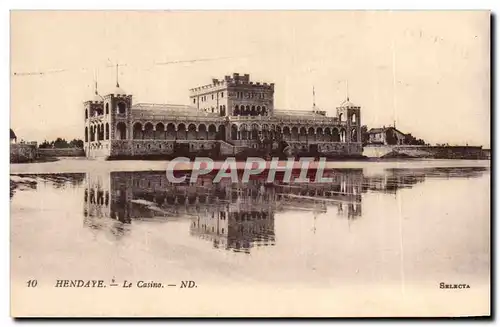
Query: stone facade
[230,115]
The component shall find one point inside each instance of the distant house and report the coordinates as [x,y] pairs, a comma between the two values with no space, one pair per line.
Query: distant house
[386,136]
[13,137]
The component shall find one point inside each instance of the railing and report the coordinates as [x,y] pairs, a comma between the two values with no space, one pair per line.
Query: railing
[198,117]
[214,118]
[147,105]
[287,119]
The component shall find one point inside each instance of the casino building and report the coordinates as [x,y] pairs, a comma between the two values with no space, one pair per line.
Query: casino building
[225,117]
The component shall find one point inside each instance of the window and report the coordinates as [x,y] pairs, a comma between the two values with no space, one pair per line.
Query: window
[194,100]
[121,107]
[107,108]
[222,94]
[212,96]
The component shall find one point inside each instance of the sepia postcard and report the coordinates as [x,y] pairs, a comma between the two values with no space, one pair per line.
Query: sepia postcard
[250,164]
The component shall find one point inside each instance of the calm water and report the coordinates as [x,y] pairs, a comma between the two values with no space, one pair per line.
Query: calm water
[394,226]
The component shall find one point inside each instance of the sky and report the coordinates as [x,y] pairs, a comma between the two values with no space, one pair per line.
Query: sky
[428,72]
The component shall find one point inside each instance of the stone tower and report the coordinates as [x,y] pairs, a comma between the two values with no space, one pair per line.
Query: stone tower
[349,115]
[117,107]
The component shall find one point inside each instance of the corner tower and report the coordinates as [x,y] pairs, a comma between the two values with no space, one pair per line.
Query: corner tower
[93,112]
[349,117]
[117,106]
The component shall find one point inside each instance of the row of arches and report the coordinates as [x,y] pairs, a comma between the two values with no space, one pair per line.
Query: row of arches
[241,110]
[121,108]
[254,132]
[182,131]
[97,132]
[179,132]
[353,117]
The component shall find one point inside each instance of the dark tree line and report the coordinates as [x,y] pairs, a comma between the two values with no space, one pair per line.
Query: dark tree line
[60,143]
[411,140]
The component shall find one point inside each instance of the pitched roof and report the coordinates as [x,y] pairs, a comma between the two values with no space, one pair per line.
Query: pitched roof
[377,130]
[348,104]
[383,129]
[161,109]
[298,113]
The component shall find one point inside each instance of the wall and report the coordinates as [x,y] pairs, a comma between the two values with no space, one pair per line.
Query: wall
[424,151]
[66,152]
[23,152]
[167,147]
[157,147]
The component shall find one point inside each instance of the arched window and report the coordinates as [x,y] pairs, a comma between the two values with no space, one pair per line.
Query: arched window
[159,131]
[107,108]
[86,134]
[121,131]
[148,131]
[171,133]
[86,113]
[107,131]
[122,107]
[137,131]
[354,135]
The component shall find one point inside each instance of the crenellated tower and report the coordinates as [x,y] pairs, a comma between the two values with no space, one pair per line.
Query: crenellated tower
[107,120]
[349,117]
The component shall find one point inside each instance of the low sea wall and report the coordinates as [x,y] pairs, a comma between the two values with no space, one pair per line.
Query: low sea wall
[425,151]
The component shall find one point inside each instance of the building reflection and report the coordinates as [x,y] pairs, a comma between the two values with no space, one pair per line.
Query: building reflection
[392,181]
[233,216]
[236,216]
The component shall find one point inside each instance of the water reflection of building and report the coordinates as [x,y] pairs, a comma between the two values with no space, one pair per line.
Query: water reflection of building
[239,216]
[236,216]
[392,180]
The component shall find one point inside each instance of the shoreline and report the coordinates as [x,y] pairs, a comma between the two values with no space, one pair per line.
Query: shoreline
[83,165]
